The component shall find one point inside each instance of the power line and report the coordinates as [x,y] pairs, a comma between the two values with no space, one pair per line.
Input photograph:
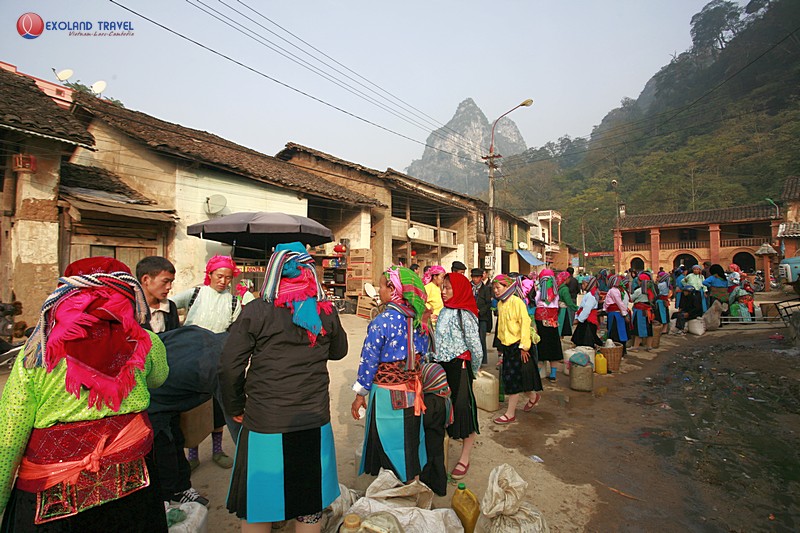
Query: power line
[286,85]
[217,15]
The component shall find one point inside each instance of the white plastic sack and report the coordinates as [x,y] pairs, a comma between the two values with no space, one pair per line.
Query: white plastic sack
[697,326]
[196,519]
[333,516]
[387,488]
[502,507]
[413,519]
[609,343]
[712,316]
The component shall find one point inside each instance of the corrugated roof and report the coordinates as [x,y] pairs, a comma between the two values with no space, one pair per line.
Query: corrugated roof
[789,230]
[215,151]
[24,107]
[745,213]
[791,189]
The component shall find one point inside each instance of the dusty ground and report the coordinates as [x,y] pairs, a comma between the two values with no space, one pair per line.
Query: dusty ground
[699,435]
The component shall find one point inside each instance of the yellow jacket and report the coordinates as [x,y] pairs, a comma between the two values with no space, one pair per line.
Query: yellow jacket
[435,302]
[514,323]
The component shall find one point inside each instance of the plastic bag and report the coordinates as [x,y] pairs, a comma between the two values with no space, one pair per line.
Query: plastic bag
[697,326]
[390,490]
[333,516]
[411,504]
[502,507]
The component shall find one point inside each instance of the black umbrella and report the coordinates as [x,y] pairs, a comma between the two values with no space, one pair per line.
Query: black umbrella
[261,230]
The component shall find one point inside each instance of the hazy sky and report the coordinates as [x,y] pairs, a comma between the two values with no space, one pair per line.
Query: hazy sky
[576,59]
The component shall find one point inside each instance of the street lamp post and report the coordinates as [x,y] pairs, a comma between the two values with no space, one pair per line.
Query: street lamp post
[583,234]
[490,160]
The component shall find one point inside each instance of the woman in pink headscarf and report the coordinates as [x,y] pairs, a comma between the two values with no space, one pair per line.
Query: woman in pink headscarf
[433,279]
[213,307]
[566,305]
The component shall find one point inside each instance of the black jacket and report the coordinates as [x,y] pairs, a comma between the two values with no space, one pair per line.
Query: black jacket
[484,300]
[285,387]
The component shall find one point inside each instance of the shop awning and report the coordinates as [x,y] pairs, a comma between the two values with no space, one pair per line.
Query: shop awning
[530,258]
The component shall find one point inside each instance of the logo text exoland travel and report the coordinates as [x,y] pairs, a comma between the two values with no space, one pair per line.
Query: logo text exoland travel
[88,25]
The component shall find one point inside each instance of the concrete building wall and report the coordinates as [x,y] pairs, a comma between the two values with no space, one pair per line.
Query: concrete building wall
[33,261]
[193,186]
[137,165]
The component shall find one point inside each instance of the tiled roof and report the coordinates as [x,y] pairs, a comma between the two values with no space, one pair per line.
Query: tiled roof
[791,189]
[215,151]
[25,107]
[286,155]
[99,180]
[745,213]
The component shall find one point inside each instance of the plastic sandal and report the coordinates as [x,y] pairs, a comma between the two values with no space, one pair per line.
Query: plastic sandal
[531,404]
[459,471]
[504,419]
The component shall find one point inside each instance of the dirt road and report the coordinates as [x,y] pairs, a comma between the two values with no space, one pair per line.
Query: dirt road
[700,435]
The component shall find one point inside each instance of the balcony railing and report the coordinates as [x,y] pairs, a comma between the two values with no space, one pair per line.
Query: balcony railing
[427,234]
[635,247]
[750,241]
[684,245]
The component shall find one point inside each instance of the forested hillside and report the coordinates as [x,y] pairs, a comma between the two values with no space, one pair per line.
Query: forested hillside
[718,126]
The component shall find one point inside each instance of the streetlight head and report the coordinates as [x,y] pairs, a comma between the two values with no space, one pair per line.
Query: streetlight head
[527,103]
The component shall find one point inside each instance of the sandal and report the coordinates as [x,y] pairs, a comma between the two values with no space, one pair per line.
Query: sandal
[460,470]
[532,403]
[504,419]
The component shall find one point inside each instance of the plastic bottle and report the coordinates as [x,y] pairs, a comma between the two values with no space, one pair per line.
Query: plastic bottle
[502,395]
[466,506]
[600,363]
[351,524]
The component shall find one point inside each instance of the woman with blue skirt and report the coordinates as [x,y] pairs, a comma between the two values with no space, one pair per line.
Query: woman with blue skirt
[616,308]
[278,350]
[388,385]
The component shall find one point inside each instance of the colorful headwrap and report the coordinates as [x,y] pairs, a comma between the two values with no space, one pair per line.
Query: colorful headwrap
[291,281]
[697,266]
[603,274]
[735,268]
[525,284]
[509,283]
[547,285]
[408,293]
[434,381]
[561,278]
[220,261]
[616,281]
[533,276]
[432,271]
[591,284]
[663,276]
[648,287]
[462,294]
[92,321]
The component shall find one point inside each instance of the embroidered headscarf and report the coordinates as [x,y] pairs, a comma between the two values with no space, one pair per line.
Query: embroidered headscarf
[562,278]
[92,320]
[220,261]
[408,293]
[291,281]
[434,381]
[432,271]
[735,268]
[663,277]
[462,294]
[547,285]
[510,285]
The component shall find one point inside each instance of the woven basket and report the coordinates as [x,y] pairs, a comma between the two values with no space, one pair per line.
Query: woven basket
[656,342]
[613,356]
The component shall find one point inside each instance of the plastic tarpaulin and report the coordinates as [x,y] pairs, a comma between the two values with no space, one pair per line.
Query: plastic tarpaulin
[530,258]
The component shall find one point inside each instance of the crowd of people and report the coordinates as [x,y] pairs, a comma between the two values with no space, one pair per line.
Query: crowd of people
[82,446]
